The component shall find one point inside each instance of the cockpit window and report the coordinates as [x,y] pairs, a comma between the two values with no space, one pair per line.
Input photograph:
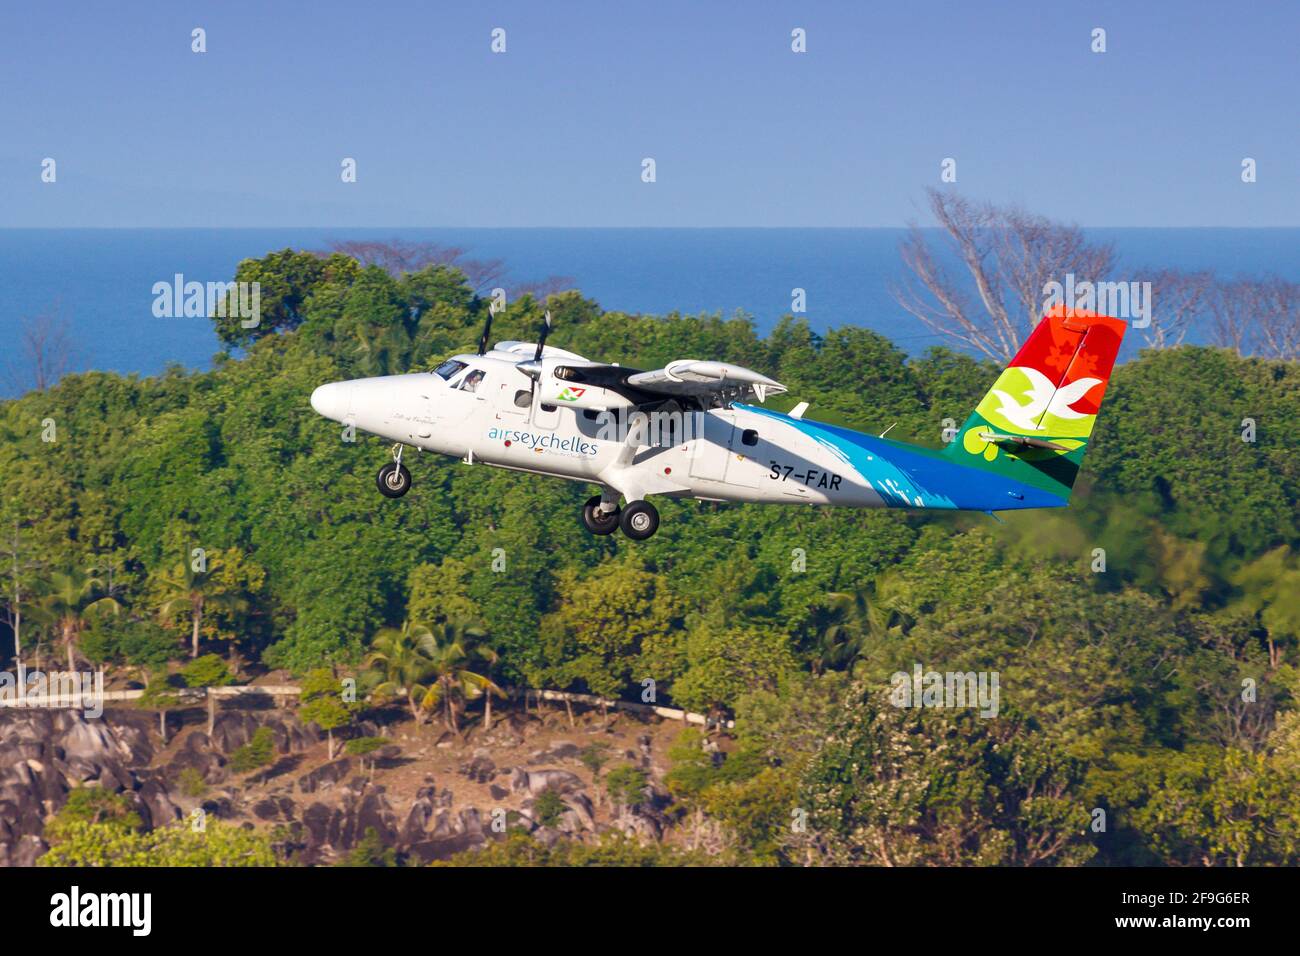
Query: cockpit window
[449,368]
[470,382]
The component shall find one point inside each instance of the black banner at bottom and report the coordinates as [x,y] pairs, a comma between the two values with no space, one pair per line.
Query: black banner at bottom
[337,905]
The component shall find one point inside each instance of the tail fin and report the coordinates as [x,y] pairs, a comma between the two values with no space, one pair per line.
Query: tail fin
[1034,423]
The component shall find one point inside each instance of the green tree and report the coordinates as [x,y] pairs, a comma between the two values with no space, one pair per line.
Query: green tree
[548,807]
[84,843]
[758,810]
[214,587]
[1268,587]
[626,785]
[160,695]
[70,596]
[399,663]
[370,850]
[903,787]
[612,849]
[1211,806]
[609,628]
[286,280]
[363,747]
[93,806]
[257,753]
[449,677]
[724,663]
[322,703]
[207,672]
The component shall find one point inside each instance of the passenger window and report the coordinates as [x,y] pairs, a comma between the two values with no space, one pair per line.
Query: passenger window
[523,398]
[749,437]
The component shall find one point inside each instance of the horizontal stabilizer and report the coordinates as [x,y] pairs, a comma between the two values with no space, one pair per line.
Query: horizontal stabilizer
[1022,440]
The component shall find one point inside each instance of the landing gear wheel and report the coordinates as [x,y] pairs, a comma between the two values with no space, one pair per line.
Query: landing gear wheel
[639,520]
[597,521]
[394,480]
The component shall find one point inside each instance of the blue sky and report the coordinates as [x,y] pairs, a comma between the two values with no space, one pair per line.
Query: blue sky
[552,133]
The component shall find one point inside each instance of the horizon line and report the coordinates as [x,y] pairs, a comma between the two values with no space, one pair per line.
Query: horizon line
[5,228]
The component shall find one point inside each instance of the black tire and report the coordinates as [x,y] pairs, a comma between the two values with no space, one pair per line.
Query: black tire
[639,520]
[394,480]
[597,521]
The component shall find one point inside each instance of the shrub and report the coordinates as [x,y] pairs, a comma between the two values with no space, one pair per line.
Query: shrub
[549,807]
[258,752]
[626,785]
[191,783]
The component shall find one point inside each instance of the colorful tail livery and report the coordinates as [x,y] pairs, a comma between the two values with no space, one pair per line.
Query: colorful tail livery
[1034,423]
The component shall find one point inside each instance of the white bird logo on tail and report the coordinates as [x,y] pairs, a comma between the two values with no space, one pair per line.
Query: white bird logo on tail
[1043,397]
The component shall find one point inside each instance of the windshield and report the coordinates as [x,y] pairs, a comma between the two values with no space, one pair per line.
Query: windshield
[448,368]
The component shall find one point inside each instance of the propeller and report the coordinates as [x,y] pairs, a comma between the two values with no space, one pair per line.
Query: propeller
[487,328]
[541,339]
[533,367]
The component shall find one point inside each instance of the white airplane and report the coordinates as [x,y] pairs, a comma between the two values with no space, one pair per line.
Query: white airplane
[688,430]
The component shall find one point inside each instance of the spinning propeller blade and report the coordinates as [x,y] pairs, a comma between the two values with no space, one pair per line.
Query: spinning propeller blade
[537,356]
[541,340]
[487,328]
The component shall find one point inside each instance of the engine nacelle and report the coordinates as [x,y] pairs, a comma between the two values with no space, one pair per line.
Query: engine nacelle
[570,383]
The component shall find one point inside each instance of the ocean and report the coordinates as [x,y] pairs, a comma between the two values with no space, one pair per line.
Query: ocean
[100,280]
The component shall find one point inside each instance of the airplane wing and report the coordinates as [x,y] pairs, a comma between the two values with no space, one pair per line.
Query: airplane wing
[698,379]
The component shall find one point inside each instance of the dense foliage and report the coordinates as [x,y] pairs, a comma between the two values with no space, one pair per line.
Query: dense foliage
[1145,638]
[99,828]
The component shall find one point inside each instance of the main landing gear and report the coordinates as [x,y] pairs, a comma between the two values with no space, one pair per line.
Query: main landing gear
[394,479]
[639,520]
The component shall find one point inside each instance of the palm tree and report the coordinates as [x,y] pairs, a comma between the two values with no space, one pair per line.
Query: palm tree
[449,674]
[428,669]
[847,622]
[399,658]
[196,592]
[380,350]
[490,660]
[72,594]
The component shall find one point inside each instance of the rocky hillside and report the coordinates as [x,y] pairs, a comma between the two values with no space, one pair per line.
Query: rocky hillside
[428,793]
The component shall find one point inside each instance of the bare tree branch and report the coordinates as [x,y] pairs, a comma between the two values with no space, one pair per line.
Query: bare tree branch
[1009,256]
[42,353]
[397,256]
[542,289]
[1180,301]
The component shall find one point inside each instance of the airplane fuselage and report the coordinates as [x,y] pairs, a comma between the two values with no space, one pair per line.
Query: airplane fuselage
[720,454]
[685,430]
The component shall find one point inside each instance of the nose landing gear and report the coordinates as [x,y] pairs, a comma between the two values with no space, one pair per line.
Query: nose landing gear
[394,479]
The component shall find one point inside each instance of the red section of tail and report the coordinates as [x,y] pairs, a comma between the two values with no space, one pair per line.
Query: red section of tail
[1053,348]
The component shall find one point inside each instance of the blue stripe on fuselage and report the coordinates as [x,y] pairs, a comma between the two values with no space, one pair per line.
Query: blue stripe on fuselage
[907,477]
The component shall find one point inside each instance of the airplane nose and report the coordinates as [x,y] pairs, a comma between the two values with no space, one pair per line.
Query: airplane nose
[332,400]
